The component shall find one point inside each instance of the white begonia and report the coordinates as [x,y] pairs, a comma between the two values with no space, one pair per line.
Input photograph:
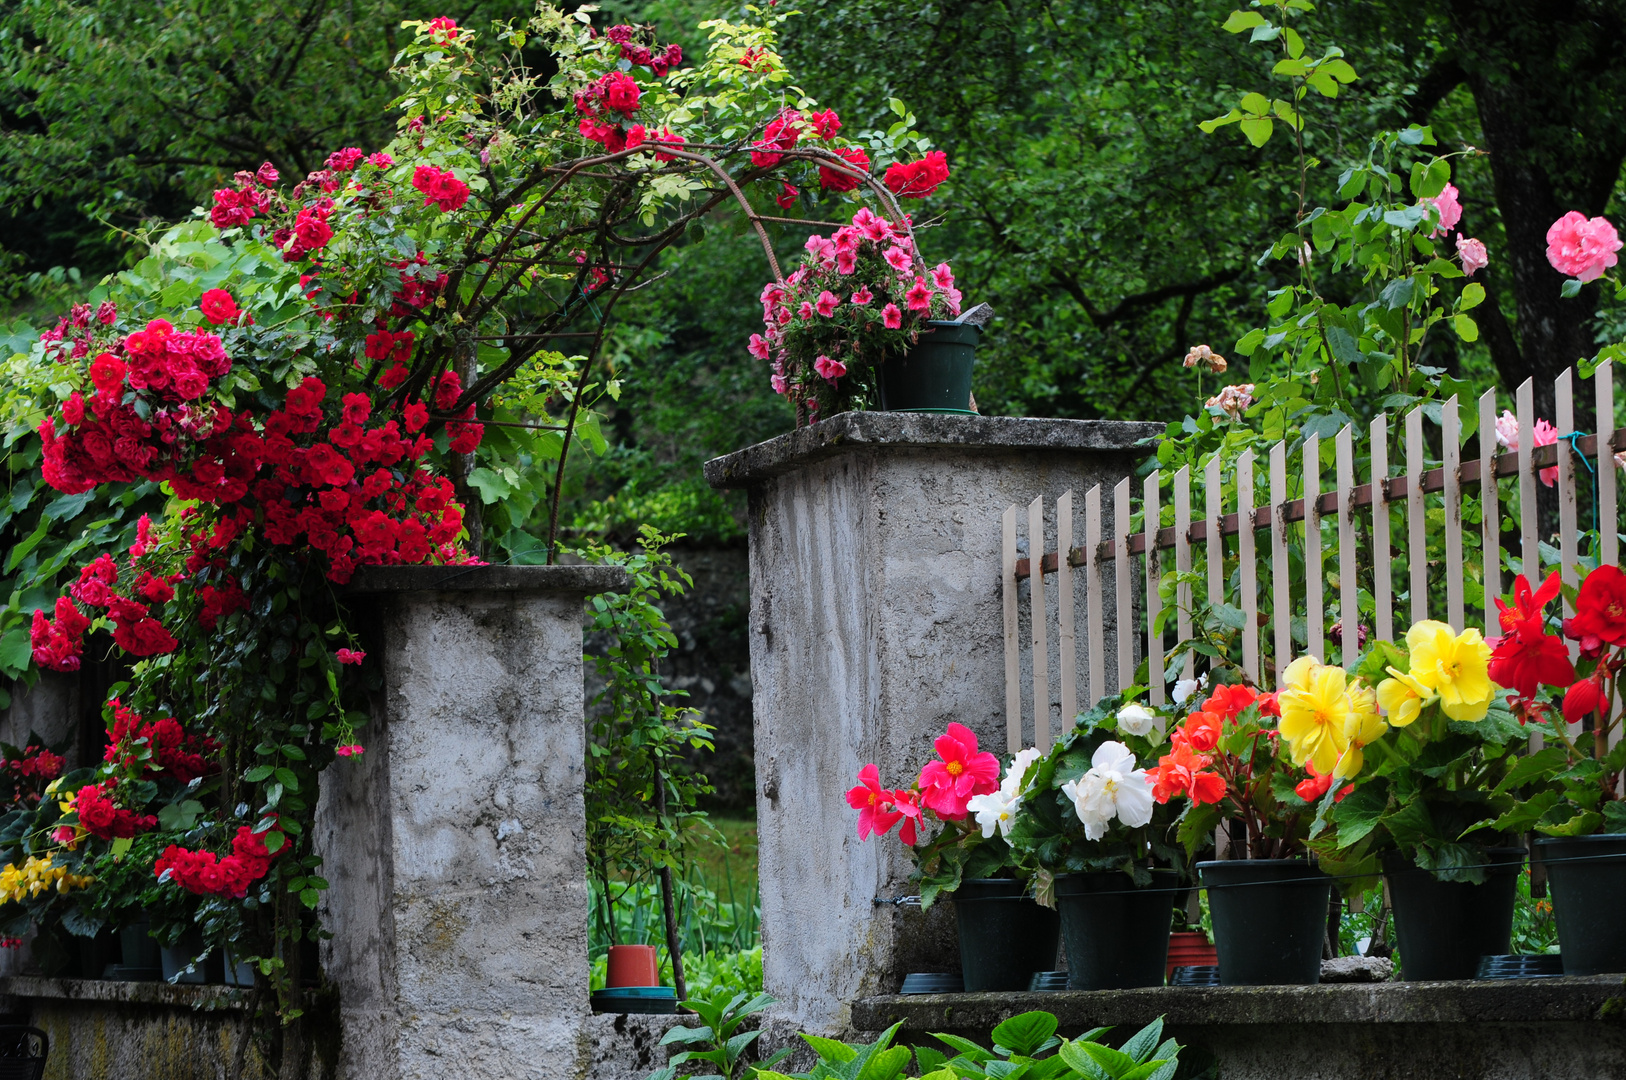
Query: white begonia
[996,810]
[1019,767]
[1136,719]
[1112,788]
[1184,688]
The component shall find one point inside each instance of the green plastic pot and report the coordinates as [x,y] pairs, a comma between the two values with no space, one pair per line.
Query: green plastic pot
[1005,936]
[1270,918]
[1588,878]
[935,374]
[1445,927]
[1117,935]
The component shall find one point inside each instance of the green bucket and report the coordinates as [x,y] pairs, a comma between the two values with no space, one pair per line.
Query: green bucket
[934,375]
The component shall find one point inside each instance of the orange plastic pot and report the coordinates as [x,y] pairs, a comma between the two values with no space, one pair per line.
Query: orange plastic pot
[1190,948]
[632,965]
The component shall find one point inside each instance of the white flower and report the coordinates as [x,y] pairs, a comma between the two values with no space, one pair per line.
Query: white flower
[1112,788]
[1135,719]
[1507,431]
[1019,767]
[1184,688]
[995,811]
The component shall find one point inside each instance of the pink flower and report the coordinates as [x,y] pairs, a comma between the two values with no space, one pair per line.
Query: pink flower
[1450,211]
[1507,436]
[963,773]
[1507,431]
[846,261]
[891,317]
[897,259]
[1546,435]
[829,369]
[779,384]
[919,295]
[871,226]
[1474,256]
[863,296]
[821,249]
[846,238]
[348,751]
[1582,248]
[827,303]
[349,656]
[758,347]
[906,803]
[874,804]
[806,312]
[942,277]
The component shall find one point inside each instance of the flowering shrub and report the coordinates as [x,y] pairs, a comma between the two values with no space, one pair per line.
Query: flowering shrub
[860,294]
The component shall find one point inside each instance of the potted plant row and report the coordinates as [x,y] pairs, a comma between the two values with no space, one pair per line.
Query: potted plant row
[1413,766]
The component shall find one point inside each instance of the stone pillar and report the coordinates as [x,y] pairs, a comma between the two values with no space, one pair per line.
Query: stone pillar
[455,846]
[875,554]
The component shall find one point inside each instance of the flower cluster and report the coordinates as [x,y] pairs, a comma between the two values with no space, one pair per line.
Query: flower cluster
[946,787]
[100,813]
[38,875]
[1447,212]
[1446,667]
[32,769]
[159,747]
[918,179]
[1232,401]
[645,53]
[207,874]
[235,207]
[1526,657]
[1196,766]
[1327,718]
[605,107]
[440,187]
[59,645]
[997,810]
[1114,787]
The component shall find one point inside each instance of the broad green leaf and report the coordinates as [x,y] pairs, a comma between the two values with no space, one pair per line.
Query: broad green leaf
[1025,1033]
[16,652]
[1466,328]
[1258,129]
[1141,1044]
[964,1046]
[1473,294]
[1243,20]
[829,1049]
[1081,1055]
[1255,103]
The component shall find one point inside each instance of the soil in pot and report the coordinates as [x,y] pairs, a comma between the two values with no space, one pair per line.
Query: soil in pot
[1005,936]
[1445,927]
[1588,879]
[934,375]
[1117,935]
[1270,918]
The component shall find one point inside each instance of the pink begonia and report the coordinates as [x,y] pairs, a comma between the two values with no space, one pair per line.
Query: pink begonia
[1474,256]
[891,317]
[829,369]
[1581,247]
[1450,211]
[919,295]
[758,347]
[961,773]
[897,259]
[827,303]
[863,296]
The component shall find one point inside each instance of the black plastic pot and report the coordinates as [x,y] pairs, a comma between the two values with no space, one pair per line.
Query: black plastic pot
[1445,927]
[935,374]
[1588,877]
[1270,917]
[1117,935]
[1005,936]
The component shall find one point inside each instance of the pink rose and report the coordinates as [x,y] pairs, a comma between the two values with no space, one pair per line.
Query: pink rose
[829,369]
[827,303]
[1474,256]
[891,317]
[1450,211]
[1582,248]
[1507,431]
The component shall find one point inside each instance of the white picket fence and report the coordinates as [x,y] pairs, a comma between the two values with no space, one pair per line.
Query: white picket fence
[1111,557]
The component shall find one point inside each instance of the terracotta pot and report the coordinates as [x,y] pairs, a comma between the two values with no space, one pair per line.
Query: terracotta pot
[632,965]
[1190,948]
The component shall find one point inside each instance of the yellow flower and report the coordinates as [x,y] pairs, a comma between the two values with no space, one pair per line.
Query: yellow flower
[1362,727]
[1403,697]
[1454,666]
[1315,707]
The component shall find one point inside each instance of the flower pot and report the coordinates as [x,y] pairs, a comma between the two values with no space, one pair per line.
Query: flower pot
[237,972]
[141,960]
[1270,918]
[1005,936]
[1444,927]
[178,957]
[1588,877]
[934,375]
[631,965]
[1190,948]
[1117,935]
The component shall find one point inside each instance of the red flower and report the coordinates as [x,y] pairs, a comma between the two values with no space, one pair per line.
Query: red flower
[1229,701]
[918,179]
[825,123]
[218,307]
[1182,773]
[832,180]
[962,773]
[874,803]
[439,187]
[1582,699]
[349,656]
[1526,656]
[442,29]
[787,198]
[780,134]
[619,92]
[1316,786]
[1268,705]
[1600,611]
[1201,731]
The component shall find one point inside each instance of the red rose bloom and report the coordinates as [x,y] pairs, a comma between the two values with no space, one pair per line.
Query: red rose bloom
[918,179]
[831,180]
[218,307]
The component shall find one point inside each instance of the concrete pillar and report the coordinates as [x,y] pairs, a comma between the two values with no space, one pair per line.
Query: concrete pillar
[455,846]
[875,621]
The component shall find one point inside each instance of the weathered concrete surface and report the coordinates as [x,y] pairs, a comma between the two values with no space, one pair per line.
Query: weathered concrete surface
[875,621]
[1534,1029]
[455,846]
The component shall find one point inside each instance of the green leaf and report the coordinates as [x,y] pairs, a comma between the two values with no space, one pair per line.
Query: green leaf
[1255,103]
[1239,21]
[1025,1033]
[1208,127]
[1543,762]
[16,652]
[1081,1055]
[1398,293]
[964,1046]
[1408,218]
[1571,287]
[179,817]
[257,774]
[493,488]
[1141,1044]
[1473,294]
[20,552]
[1466,328]
[1258,129]
[830,1049]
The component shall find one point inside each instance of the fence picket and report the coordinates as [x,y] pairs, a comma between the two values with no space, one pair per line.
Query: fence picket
[1564,392]
[1490,535]
[1315,618]
[1154,640]
[1013,654]
[1349,608]
[1182,561]
[1124,614]
[1281,590]
[1249,567]
[1041,644]
[1066,627]
[1382,557]
[1608,524]
[1214,515]
[1451,452]
[1092,584]
[1416,544]
[1529,547]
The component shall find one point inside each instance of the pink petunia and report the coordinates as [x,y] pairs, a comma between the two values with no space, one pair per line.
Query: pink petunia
[821,249]
[942,277]
[891,317]
[963,773]
[863,296]
[919,295]
[827,303]
[1581,247]
[846,262]
[829,369]
[758,347]
[806,313]
[871,226]
[897,259]
[779,384]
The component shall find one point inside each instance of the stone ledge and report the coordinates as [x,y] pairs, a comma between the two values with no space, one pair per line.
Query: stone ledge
[126,993]
[857,429]
[1590,998]
[580,579]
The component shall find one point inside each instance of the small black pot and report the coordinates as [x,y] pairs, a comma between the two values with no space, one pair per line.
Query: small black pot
[1270,918]
[935,374]
[1117,935]
[1445,927]
[1005,936]
[1588,876]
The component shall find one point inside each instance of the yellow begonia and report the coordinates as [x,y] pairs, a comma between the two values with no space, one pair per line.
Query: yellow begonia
[1316,707]
[1403,697]
[1362,727]
[38,875]
[1454,666]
